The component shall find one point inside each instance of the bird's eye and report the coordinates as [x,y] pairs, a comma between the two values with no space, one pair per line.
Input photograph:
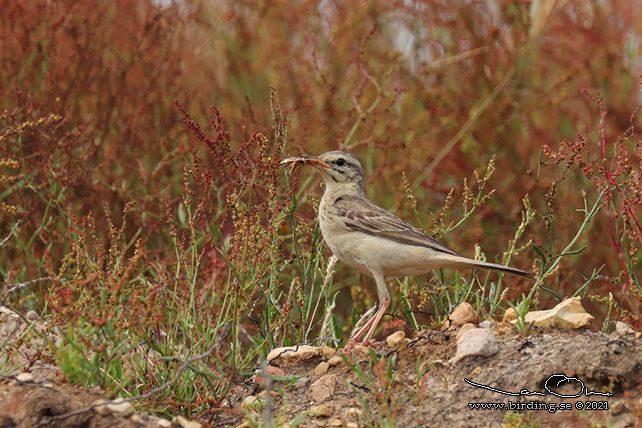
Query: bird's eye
[341,162]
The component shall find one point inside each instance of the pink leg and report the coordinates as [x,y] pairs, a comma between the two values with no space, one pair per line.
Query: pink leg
[371,326]
[383,305]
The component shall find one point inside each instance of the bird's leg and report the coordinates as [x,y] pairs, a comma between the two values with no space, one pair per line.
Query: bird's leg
[355,337]
[371,325]
[374,322]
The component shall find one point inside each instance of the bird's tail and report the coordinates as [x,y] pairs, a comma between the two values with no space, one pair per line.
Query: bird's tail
[463,262]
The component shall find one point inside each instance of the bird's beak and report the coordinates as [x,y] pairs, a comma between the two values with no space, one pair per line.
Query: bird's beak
[305,160]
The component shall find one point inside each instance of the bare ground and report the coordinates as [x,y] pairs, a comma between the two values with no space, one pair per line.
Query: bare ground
[411,385]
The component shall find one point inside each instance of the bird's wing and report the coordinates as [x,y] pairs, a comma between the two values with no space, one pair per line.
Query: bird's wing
[359,214]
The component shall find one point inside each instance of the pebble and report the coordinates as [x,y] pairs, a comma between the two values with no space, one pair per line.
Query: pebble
[32,315]
[184,423]
[485,324]
[328,352]
[271,371]
[462,315]
[354,412]
[509,315]
[335,361]
[323,388]
[251,402]
[395,338]
[25,378]
[623,329]
[321,369]
[293,354]
[323,410]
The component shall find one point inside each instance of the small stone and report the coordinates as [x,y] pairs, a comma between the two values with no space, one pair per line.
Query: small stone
[32,315]
[271,371]
[485,324]
[478,341]
[184,423]
[121,408]
[293,354]
[335,361]
[135,418]
[245,424]
[323,388]
[251,402]
[116,407]
[509,315]
[328,352]
[321,369]
[25,378]
[163,423]
[352,425]
[354,412]
[395,338]
[323,410]
[361,351]
[263,395]
[336,423]
[47,384]
[464,328]
[301,382]
[623,329]
[102,409]
[462,315]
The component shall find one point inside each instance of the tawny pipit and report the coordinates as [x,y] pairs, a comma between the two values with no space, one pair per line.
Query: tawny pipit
[373,240]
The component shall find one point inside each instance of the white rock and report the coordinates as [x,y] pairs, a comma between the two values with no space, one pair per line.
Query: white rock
[569,314]
[116,407]
[485,324]
[121,408]
[478,341]
[293,354]
[25,377]
[464,328]
[623,329]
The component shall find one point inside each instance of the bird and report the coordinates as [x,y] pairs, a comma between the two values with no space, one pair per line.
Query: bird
[371,239]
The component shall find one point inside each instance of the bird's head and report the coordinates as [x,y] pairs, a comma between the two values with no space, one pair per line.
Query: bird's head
[336,168]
